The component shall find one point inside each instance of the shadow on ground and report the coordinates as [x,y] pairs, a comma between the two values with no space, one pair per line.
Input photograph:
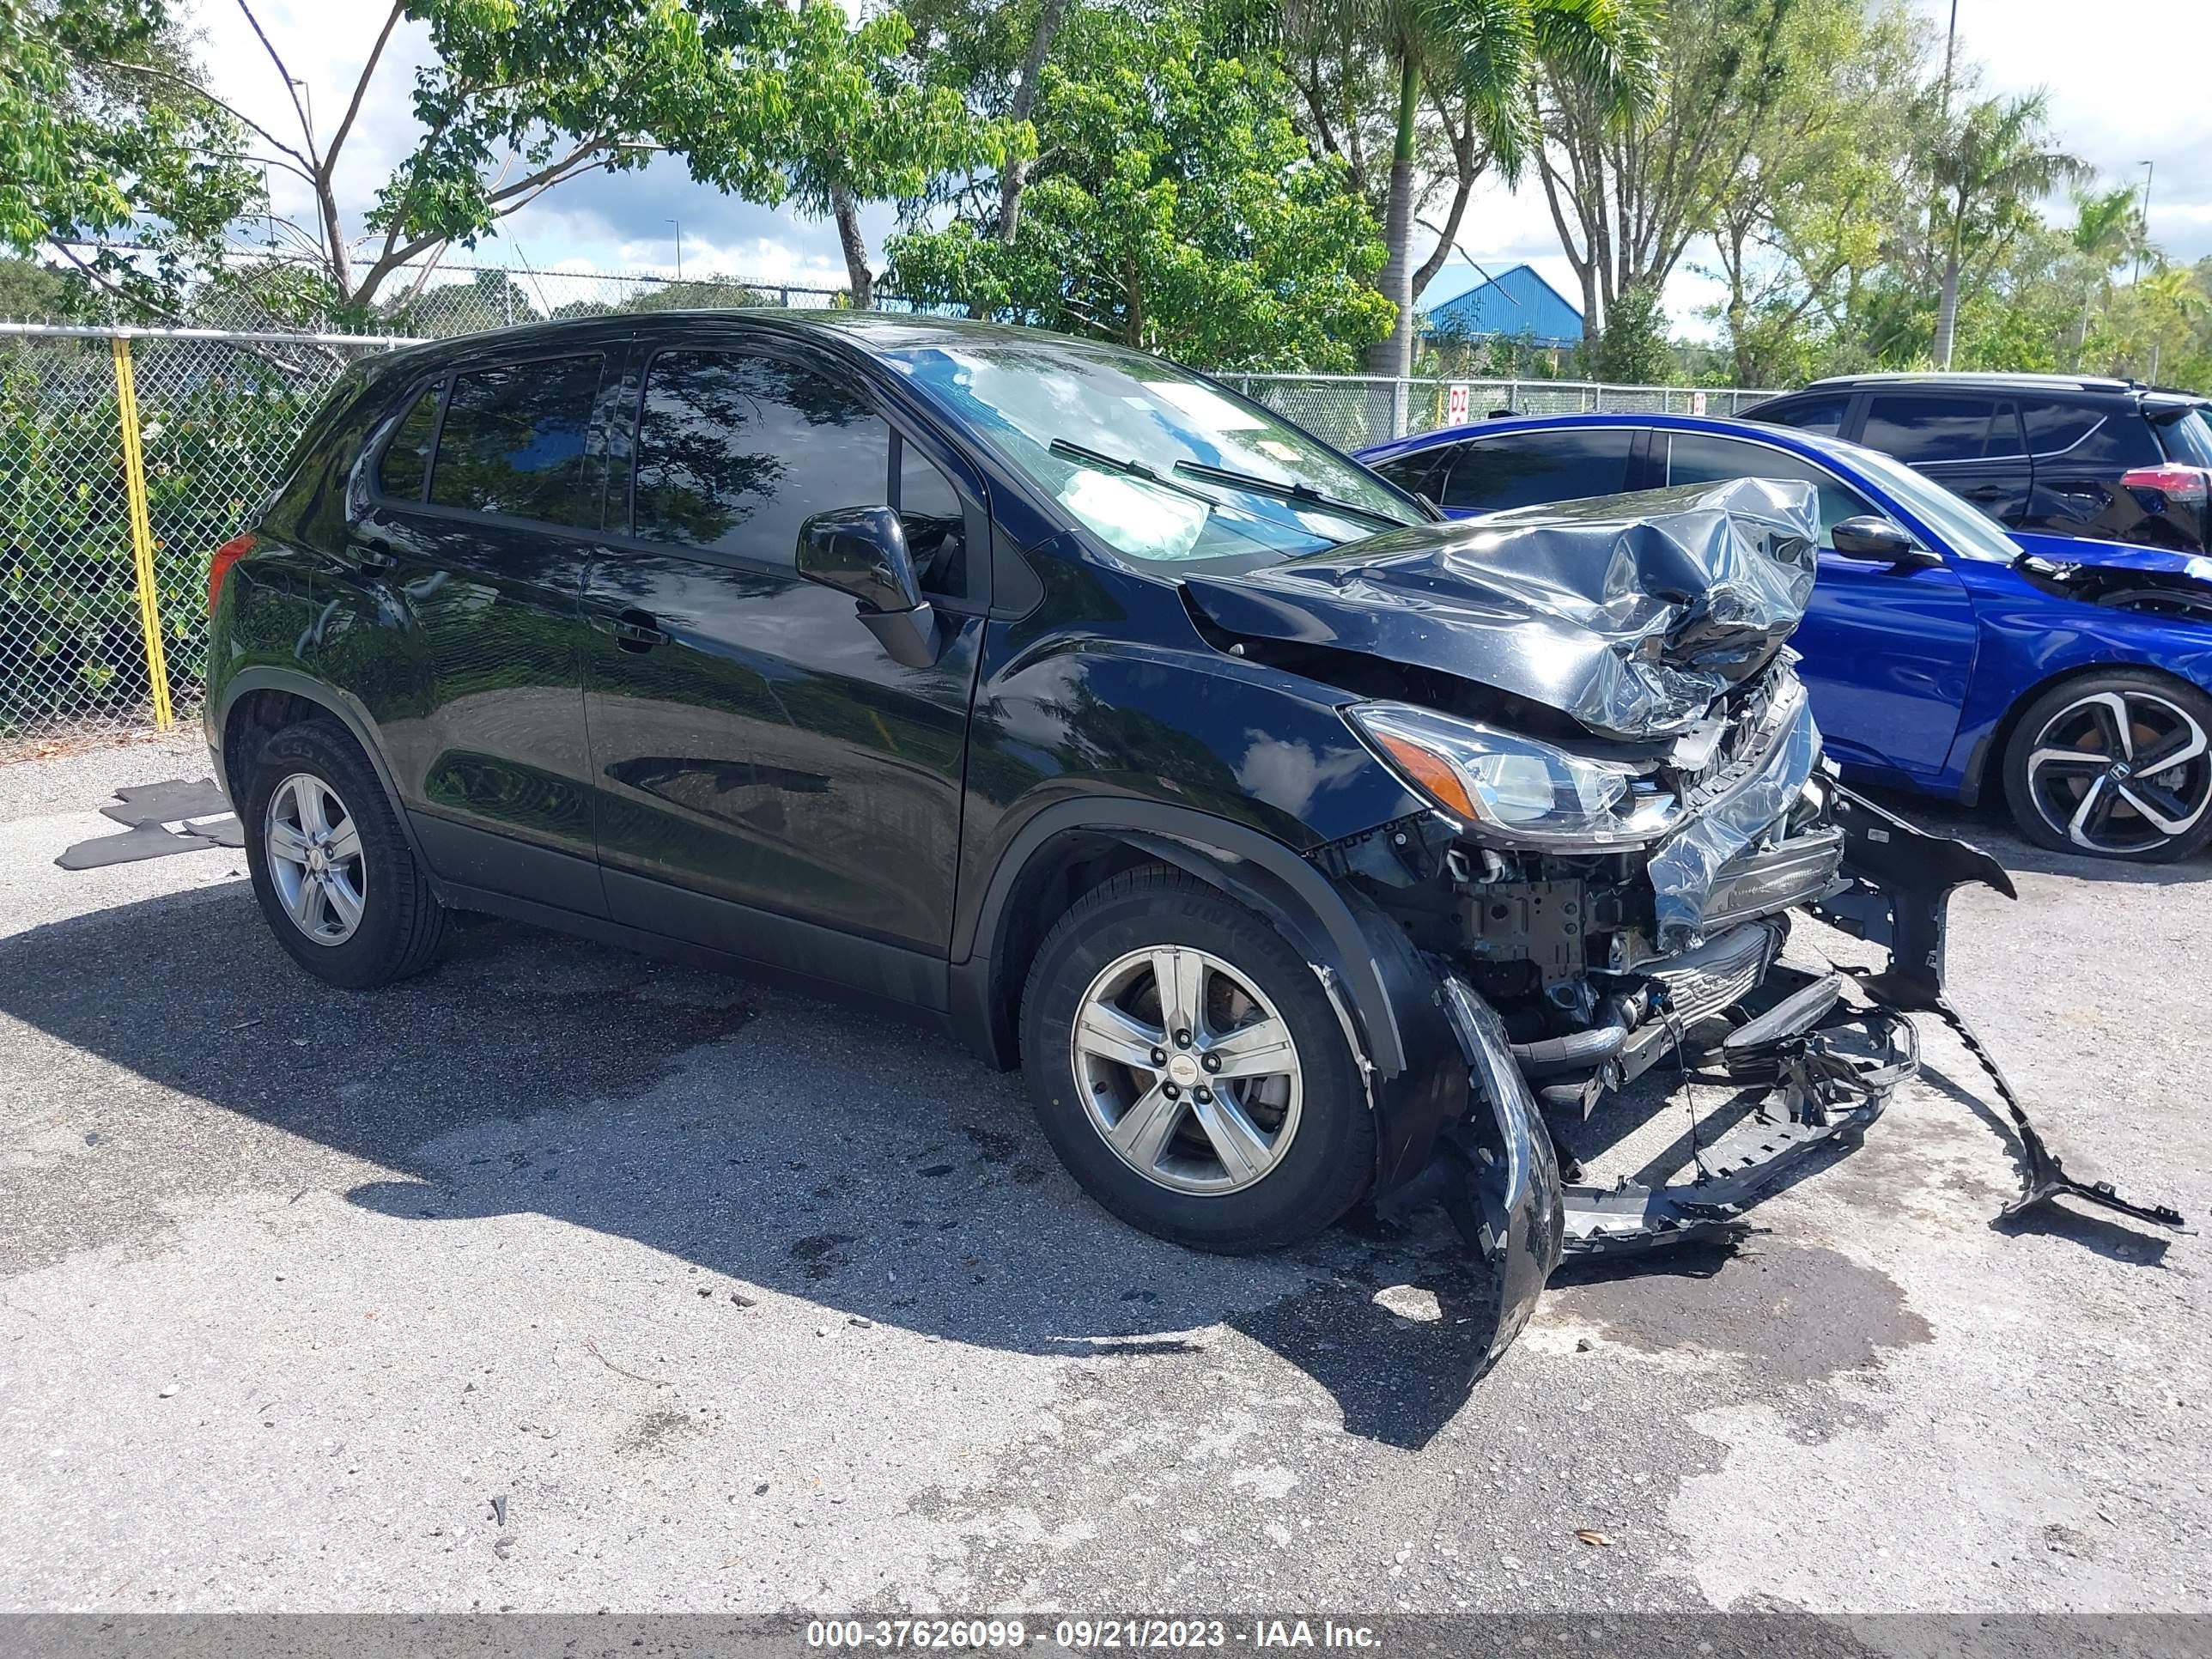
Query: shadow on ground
[867,1165]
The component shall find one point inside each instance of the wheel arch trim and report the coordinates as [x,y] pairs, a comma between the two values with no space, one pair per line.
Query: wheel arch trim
[1255,869]
[332,700]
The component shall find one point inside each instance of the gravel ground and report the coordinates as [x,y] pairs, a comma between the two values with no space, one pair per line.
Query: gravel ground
[563,1279]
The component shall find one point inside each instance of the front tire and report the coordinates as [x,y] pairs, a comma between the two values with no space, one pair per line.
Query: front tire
[336,879]
[2116,764]
[1189,1070]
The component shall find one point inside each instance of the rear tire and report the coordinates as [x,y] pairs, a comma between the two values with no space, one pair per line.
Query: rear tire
[1243,1128]
[336,879]
[2081,779]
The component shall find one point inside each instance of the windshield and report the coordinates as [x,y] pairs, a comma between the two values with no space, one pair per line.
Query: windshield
[1966,531]
[1128,410]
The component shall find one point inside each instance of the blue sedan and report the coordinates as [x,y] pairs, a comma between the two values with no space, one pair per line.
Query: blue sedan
[1944,655]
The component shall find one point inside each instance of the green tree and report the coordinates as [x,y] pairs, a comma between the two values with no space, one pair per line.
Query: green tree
[104,129]
[875,126]
[1634,350]
[1989,165]
[1628,196]
[1465,69]
[1172,205]
[33,291]
[758,99]
[2107,229]
[1805,219]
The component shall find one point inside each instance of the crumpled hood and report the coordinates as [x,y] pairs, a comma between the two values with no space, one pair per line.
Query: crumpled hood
[1628,613]
[2127,557]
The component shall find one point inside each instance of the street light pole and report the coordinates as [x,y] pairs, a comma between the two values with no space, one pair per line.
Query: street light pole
[680,249]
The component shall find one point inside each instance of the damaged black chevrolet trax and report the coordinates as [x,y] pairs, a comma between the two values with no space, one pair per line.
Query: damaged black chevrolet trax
[1304,848]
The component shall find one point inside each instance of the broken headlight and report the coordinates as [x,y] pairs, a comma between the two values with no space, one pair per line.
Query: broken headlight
[1515,789]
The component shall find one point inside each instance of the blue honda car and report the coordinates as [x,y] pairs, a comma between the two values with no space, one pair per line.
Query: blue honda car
[1944,655]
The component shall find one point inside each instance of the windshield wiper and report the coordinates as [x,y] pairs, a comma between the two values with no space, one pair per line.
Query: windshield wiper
[1297,494]
[1301,495]
[1104,463]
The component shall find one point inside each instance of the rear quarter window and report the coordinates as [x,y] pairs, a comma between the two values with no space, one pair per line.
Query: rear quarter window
[406,461]
[2188,439]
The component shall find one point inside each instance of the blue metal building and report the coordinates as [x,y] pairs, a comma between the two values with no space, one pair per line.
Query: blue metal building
[1517,304]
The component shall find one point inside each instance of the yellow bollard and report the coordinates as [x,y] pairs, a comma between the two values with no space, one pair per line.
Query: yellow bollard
[142,536]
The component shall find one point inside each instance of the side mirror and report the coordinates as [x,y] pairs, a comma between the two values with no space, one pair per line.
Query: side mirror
[862,551]
[1874,537]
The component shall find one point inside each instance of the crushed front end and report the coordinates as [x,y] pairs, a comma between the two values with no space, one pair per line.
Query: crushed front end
[1629,810]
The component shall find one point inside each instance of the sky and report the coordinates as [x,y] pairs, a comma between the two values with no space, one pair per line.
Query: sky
[2128,89]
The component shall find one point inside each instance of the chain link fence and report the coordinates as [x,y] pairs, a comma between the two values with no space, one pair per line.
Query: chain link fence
[104,558]
[103,563]
[1354,410]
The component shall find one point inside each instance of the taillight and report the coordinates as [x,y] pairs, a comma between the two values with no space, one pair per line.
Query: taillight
[2192,484]
[219,566]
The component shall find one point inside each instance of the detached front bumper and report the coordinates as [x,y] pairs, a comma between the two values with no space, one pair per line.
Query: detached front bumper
[1829,1066]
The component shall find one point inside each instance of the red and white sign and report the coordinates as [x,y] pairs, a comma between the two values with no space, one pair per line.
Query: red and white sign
[1696,403]
[1455,407]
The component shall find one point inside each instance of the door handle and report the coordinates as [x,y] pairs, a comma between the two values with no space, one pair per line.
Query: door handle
[634,629]
[1985,492]
[373,555]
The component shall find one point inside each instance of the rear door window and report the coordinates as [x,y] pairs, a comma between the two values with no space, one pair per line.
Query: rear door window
[1823,415]
[1922,427]
[515,442]
[1529,468]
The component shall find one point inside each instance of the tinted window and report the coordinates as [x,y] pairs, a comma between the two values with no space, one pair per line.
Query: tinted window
[407,457]
[514,442]
[1414,473]
[734,453]
[1694,457]
[1822,415]
[1920,427]
[2187,438]
[936,524]
[1527,469]
[2054,427]
[2121,439]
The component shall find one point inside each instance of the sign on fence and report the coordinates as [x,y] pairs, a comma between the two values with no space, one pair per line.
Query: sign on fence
[1455,407]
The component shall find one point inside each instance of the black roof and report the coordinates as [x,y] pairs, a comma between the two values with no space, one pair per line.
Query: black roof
[1993,380]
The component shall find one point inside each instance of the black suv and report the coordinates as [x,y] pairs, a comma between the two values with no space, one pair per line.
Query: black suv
[1302,846]
[2060,455]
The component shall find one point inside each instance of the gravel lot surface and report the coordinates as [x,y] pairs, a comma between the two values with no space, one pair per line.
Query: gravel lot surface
[563,1279]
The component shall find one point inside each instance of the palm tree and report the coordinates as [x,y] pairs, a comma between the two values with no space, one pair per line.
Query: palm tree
[1483,54]
[2106,231]
[1991,166]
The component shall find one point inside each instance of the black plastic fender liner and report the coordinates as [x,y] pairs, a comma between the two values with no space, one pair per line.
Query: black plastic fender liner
[1902,882]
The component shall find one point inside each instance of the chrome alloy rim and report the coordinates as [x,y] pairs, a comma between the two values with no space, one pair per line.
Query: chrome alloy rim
[1186,1070]
[314,859]
[2121,772]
